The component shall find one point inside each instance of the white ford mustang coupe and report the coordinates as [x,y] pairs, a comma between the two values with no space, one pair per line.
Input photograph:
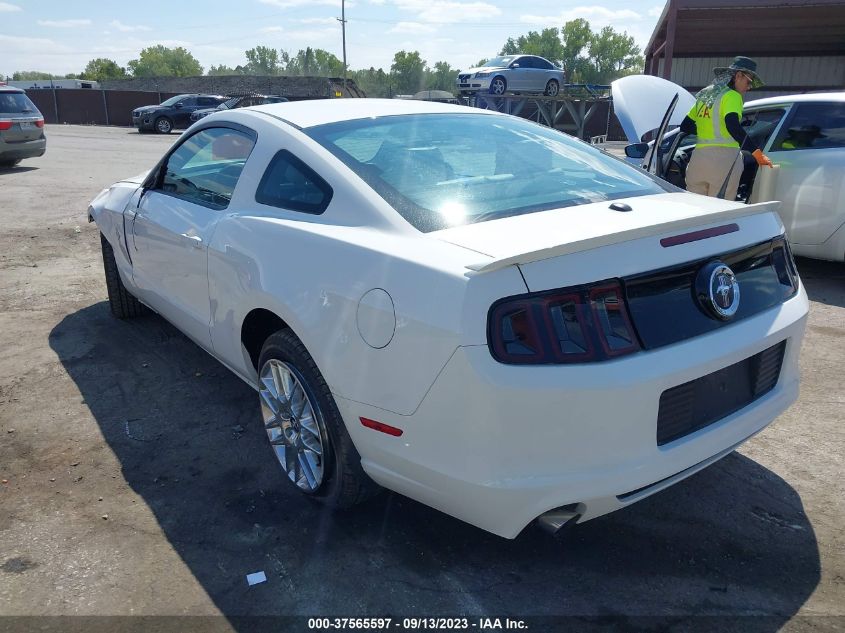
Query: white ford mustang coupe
[464,307]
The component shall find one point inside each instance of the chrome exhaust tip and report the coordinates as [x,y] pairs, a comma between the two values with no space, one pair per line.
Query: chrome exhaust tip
[553,520]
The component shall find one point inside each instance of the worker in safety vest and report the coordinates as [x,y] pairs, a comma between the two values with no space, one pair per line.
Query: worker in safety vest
[716,164]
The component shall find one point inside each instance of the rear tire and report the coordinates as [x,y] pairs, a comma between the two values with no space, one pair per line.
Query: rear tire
[552,88]
[123,305]
[335,476]
[8,164]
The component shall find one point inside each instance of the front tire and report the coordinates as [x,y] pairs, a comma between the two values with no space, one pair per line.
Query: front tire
[305,428]
[122,304]
[163,125]
[498,86]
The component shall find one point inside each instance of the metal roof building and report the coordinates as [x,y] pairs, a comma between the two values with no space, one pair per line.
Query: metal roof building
[799,45]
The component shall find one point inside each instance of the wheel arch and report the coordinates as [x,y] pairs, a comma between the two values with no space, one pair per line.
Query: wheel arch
[256,328]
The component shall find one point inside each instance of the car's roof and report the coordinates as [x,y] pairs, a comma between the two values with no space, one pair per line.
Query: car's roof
[318,112]
[10,89]
[810,97]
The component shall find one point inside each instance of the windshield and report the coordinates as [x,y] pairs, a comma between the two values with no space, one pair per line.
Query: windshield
[500,61]
[16,103]
[174,100]
[441,170]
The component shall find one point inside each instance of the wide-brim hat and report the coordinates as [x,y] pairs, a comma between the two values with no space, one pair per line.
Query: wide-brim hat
[745,65]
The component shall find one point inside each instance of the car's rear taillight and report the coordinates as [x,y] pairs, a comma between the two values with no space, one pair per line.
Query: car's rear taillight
[572,325]
[5,125]
[39,123]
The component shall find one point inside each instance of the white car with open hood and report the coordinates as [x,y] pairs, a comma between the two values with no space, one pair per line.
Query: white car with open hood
[464,307]
[804,135]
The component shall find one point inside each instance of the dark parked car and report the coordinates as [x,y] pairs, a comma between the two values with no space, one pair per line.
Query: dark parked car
[241,101]
[21,127]
[172,113]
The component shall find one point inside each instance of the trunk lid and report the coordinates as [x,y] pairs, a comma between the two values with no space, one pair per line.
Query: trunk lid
[545,240]
[640,102]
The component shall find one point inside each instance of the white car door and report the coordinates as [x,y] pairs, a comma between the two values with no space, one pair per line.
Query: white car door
[175,219]
[810,152]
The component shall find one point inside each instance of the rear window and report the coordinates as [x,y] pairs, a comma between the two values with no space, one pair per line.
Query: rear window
[442,170]
[16,103]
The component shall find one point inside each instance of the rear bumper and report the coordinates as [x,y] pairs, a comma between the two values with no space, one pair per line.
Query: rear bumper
[498,445]
[24,149]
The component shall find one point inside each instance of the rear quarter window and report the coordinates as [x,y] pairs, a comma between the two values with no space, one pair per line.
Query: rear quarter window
[288,183]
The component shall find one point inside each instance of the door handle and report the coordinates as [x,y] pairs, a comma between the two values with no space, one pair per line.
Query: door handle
[194,240]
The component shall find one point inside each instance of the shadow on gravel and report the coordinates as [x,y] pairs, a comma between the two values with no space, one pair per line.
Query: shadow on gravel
[824,281]
[733,540]
[16,170]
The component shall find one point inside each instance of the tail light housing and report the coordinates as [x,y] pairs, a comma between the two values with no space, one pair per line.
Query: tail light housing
[583,324]
[5,125]
[39,123]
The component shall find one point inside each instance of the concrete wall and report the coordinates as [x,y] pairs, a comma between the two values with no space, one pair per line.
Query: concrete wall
[290,87]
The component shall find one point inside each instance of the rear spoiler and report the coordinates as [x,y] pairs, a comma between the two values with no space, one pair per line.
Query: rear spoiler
[627,235]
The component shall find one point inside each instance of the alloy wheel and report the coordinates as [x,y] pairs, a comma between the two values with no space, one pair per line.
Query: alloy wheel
[290,420]
[498,86]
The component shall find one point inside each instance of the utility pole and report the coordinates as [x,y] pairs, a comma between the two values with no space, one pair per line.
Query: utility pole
[342,20]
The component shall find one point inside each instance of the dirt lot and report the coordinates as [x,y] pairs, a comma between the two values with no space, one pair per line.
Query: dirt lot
[136,481]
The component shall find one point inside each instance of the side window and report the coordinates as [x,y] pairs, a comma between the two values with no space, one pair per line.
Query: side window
[289,183]
[542,63]
[760,124]
[815,125]
[188,102]
[206,167]
[207,102]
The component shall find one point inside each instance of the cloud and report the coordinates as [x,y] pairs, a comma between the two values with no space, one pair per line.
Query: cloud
[448,11]
[65,24]
[125,28]
[326,21]
[288,4]
[316,35]
[599,14]
[5,7]
[271,29]
[412,28]
[656,12]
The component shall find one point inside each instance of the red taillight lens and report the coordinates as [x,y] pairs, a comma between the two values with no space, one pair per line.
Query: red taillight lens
[573,325]
[5,125]
[39,123]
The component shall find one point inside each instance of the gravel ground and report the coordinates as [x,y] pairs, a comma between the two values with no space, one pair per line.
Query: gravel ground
[136,481]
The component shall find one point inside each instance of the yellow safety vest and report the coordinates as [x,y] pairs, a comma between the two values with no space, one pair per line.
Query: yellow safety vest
[710,122]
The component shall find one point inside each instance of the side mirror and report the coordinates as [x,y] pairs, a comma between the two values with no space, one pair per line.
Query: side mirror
[179,105]
[636,150]
[515,65]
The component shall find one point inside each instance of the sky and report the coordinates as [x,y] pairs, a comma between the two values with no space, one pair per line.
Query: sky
[61,36]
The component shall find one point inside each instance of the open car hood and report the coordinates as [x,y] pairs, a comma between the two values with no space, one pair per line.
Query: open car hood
[640,101]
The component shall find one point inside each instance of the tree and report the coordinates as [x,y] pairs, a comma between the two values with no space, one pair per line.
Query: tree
[441,77]
[575,36]
[161,61]
[262,60]
[614,55]
[101,69]
[32,75]
[374,82]
[314,62]
[544,44]
[407,72]
[222,69]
